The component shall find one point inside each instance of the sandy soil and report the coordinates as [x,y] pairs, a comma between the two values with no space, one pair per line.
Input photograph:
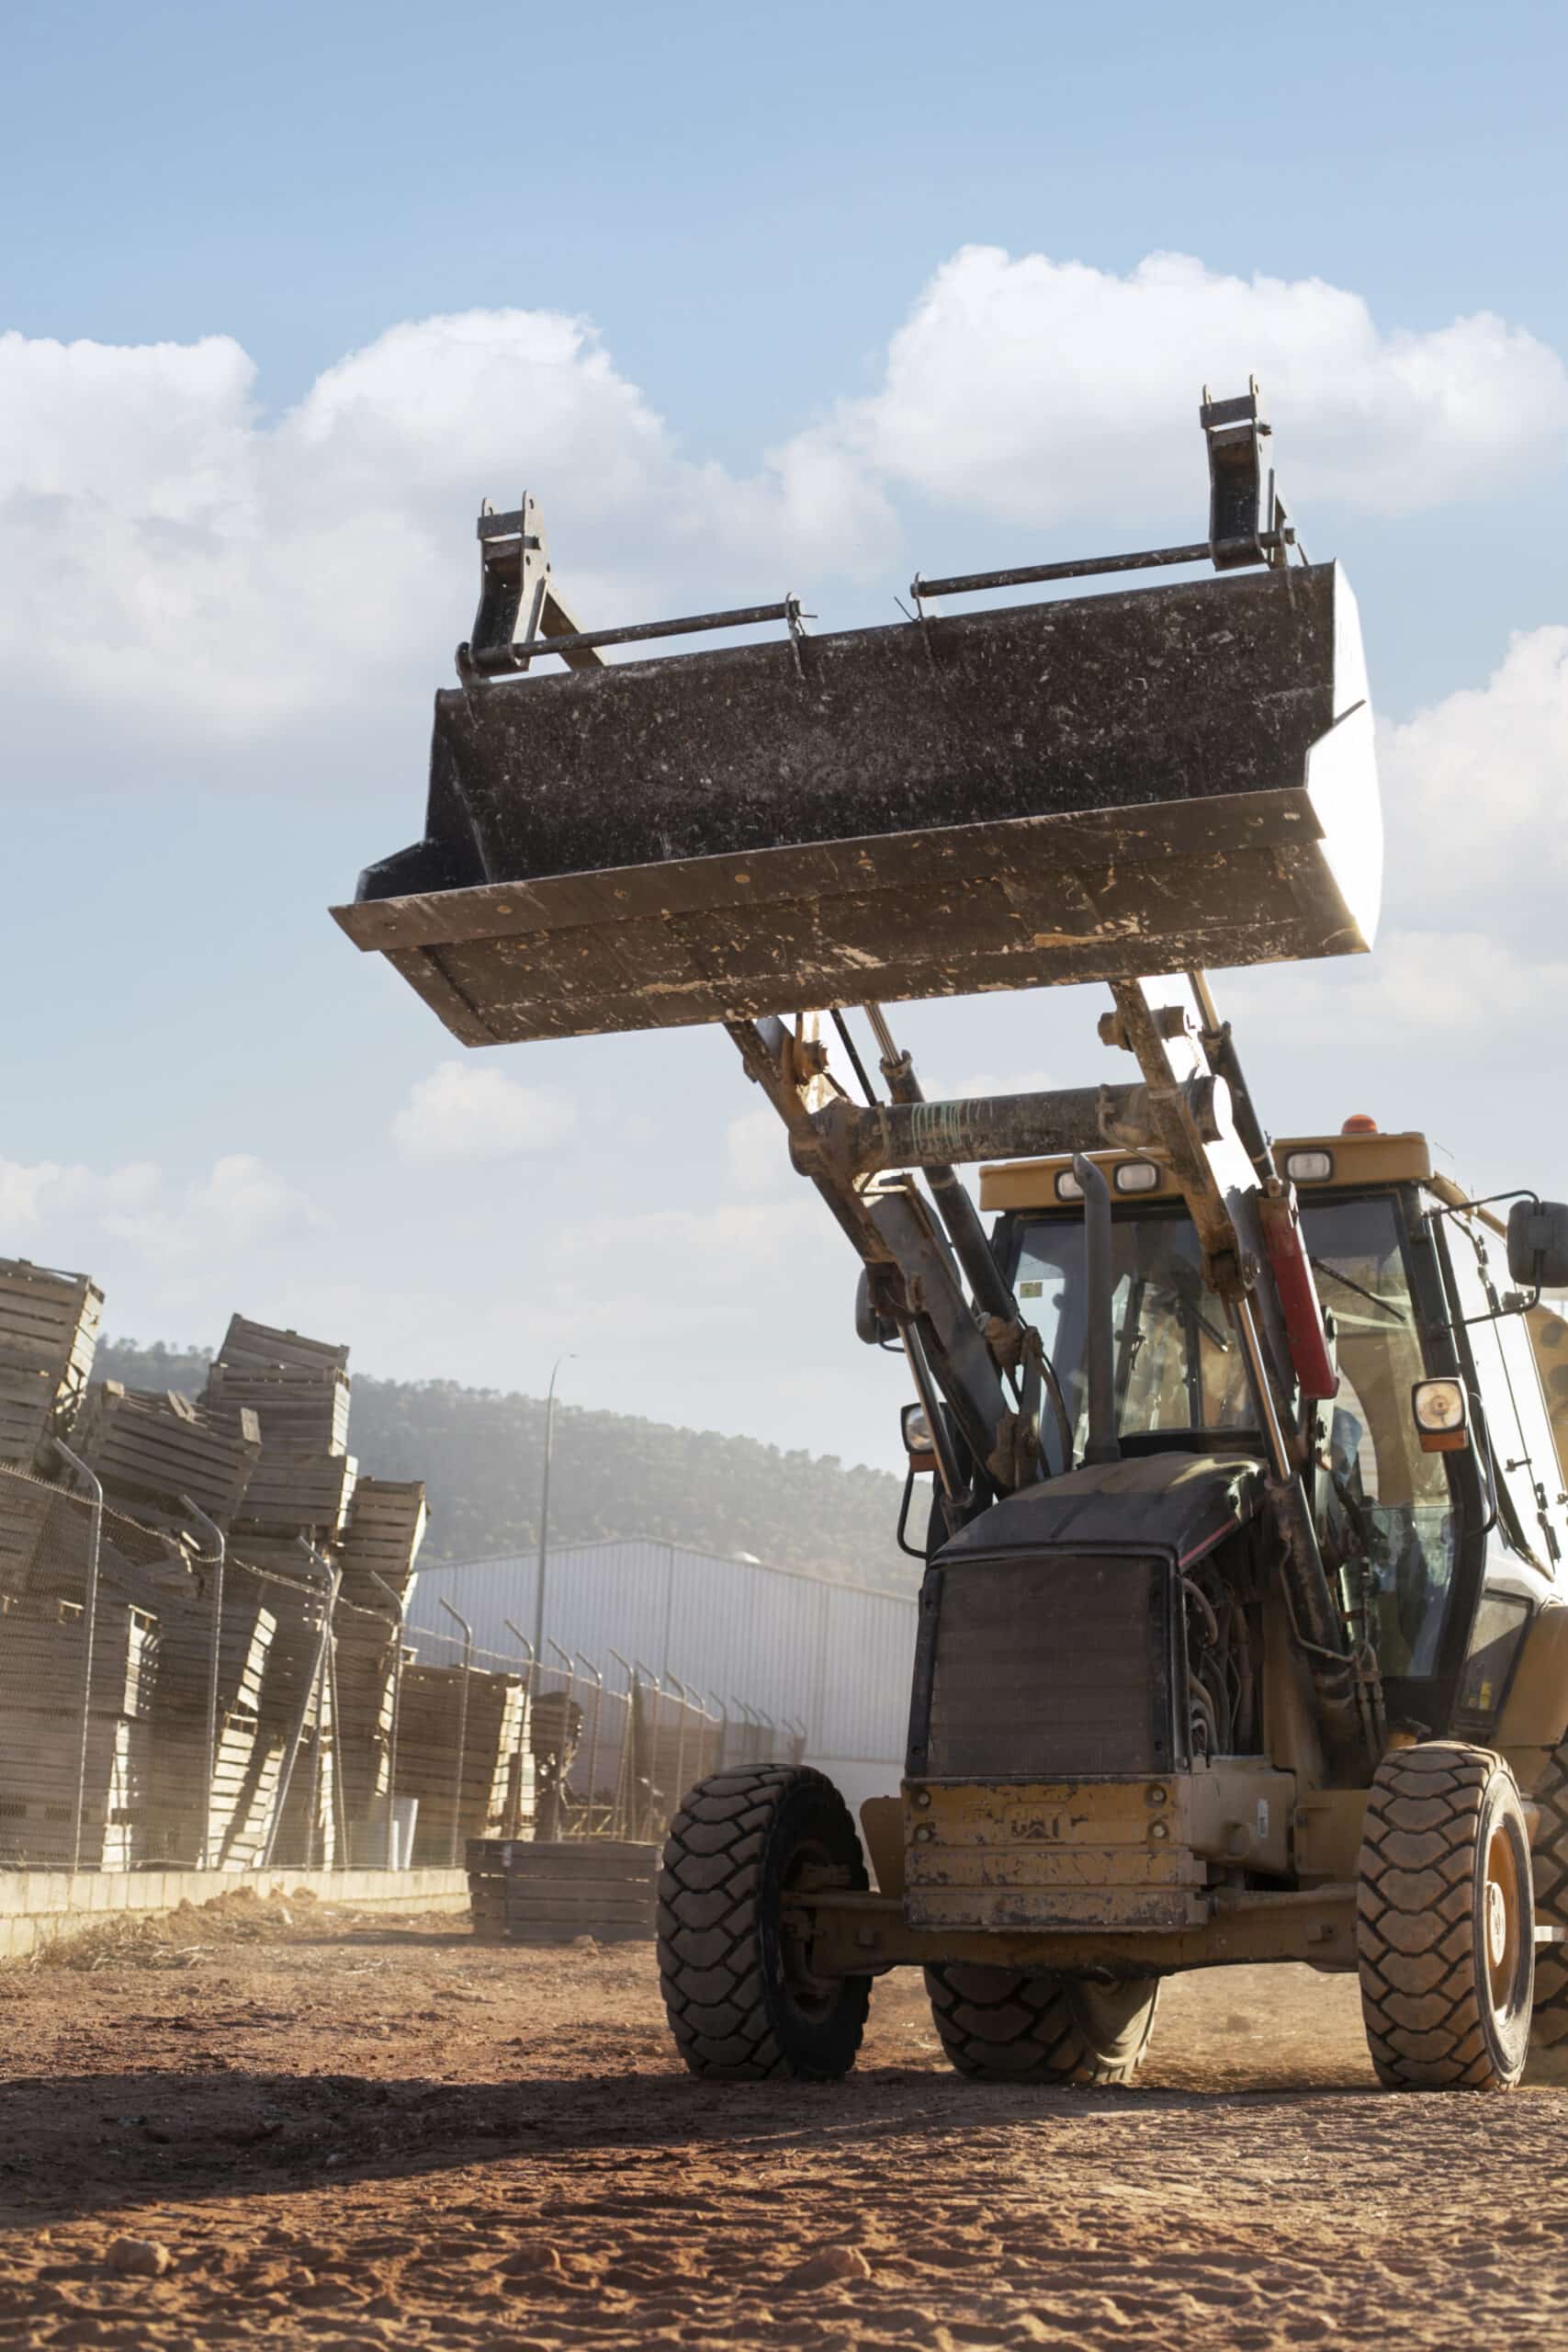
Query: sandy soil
[350,2131]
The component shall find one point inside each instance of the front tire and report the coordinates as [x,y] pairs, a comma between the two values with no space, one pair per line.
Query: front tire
[1445,1931]
[1007,2025]
[1548,2059]
[743,2002]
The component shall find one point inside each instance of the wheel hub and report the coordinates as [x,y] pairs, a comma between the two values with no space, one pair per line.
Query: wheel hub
[1496,1924]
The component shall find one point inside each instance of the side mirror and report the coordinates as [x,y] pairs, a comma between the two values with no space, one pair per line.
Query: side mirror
[876,1331]
[1538,1244]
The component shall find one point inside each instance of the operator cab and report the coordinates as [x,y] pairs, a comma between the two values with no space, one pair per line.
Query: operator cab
[1443,1548]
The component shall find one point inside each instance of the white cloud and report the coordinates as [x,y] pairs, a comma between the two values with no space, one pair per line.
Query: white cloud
[210,577]
[1037,389]
[224,574]
[136,1211]
[757,1151]
[464,1111]
[1428,987]
[1474,787]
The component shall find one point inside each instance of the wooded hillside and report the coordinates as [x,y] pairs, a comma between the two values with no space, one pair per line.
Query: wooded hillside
[480,1454]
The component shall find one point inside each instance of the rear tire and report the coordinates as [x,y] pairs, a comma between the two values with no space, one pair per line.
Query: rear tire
[743,2002]
[1445,1921]
[1007,2025]
[1547,2060]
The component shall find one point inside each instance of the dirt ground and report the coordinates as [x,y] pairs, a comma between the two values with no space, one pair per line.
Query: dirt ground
[349,2131]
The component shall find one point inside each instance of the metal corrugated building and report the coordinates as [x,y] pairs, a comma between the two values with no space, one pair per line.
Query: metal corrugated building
[836,1658]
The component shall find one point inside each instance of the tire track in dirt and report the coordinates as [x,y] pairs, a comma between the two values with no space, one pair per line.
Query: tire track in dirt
[354,2134]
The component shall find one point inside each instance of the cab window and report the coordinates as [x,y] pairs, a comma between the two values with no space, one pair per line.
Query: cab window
[1523,1445]
[1178,1369]
[1395,1498]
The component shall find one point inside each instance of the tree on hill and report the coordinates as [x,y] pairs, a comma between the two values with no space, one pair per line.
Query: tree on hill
[481,1454]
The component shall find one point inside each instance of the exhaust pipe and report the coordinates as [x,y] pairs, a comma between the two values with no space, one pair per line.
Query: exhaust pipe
[1102,1444]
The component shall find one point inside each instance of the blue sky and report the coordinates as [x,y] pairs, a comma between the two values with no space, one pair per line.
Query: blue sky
[230,575]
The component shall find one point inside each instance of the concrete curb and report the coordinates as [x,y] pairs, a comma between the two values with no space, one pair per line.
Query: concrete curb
[38,1906]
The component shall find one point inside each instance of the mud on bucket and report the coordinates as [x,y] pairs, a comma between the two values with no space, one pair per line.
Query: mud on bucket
[1140,781]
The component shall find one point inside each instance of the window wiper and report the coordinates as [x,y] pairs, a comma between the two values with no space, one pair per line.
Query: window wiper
[1184,1291]
[1320,1266]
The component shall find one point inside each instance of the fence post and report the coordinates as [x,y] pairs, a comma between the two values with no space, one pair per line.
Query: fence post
[658,1688]
[340,1802]
[217,1556]
[89,1632]
[525,1735]
[400,1607]
[331,1577]
[629,1747]
[723,1731]
[462,1721]
[568,1702]
[684,1700]
[598,1674]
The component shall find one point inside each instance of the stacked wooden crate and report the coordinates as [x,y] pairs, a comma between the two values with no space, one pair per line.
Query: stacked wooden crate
[37,1525]
[439,1731]
[295,1505]
[377,1556]
[380,1543]
[307,1829]
[367,1659]
[43,1657]
[155,1450]
[48,1331]
[264,1455]
[203,1808]
[540,1892]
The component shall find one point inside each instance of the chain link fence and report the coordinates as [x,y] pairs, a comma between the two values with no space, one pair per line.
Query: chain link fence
[167,1700]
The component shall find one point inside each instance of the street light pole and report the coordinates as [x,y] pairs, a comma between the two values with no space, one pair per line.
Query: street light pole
[544,1507]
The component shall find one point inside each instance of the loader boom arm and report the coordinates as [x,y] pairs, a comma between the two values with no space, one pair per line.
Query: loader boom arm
[973,1350]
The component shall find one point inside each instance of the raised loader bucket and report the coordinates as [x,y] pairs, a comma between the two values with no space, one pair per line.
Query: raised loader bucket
[1140,781]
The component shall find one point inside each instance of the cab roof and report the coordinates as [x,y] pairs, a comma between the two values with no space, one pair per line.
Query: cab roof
[1313,1163]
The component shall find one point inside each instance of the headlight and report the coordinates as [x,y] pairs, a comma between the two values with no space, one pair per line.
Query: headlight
[1136,1176]
[917,1431]
[1309,1166]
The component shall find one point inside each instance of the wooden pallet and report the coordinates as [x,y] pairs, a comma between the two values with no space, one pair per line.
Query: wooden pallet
[535,1892]
[158,1446]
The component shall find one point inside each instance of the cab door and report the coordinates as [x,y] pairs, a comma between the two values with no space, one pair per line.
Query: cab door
[1514,1426]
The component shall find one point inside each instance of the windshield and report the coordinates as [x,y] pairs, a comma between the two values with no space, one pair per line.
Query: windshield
[1178,1368]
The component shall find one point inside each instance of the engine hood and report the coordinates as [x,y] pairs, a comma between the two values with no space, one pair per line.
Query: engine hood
[1181,1504]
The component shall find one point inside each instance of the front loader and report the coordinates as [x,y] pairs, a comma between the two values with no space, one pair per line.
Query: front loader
[1240,1636]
